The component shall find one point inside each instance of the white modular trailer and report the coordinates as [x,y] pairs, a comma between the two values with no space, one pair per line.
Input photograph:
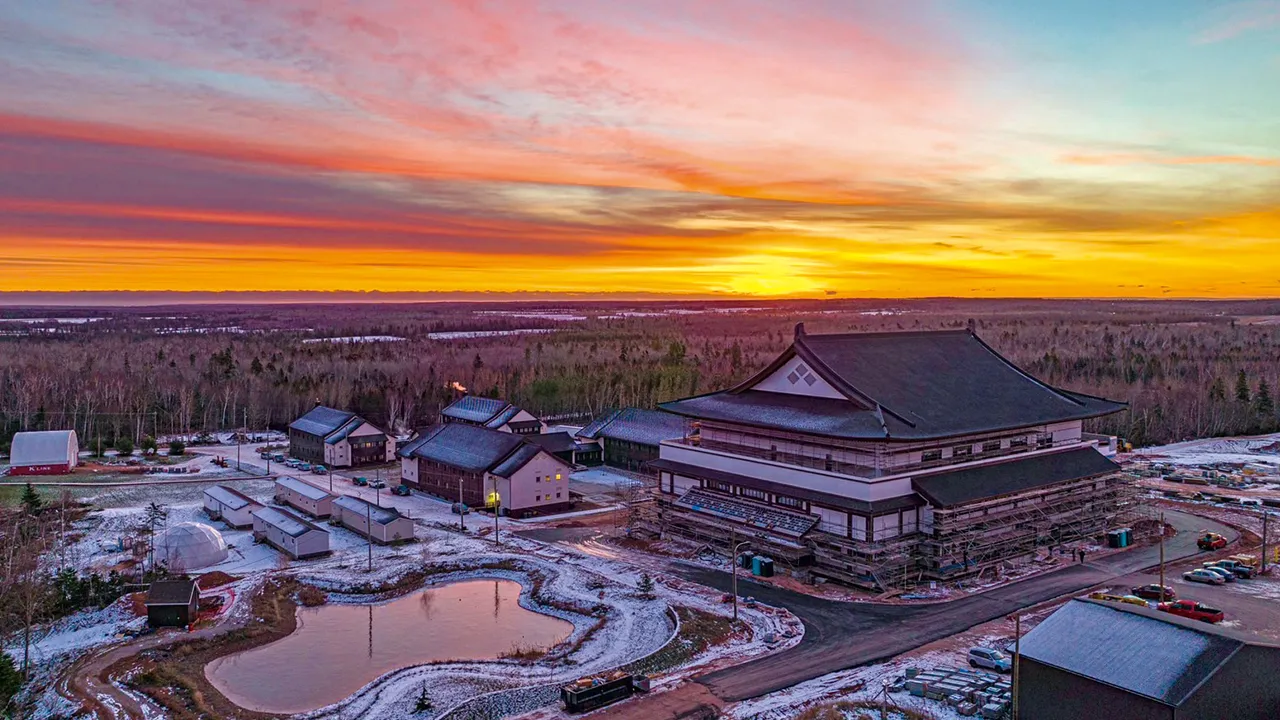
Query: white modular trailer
[383,524]
[304,496]
[230,506]
[292,535]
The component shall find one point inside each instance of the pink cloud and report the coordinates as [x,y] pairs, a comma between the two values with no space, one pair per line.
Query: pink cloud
[1236,19]
[1157,159]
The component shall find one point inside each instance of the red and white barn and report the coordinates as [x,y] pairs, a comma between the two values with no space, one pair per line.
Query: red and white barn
[50,452]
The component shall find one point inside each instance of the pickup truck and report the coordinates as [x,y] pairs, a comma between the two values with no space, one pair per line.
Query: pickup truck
[1193,610]
[1236,567]
[1211,541]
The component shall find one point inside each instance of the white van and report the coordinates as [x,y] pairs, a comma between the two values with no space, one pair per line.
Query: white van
[1251,502]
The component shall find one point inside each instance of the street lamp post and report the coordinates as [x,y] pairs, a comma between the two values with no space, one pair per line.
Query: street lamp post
[462,523]
[497,503]
[733,570]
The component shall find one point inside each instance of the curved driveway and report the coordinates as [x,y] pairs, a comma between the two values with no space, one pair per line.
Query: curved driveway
[841,635]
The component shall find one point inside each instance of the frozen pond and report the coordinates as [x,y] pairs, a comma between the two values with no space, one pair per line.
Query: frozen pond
[338,649]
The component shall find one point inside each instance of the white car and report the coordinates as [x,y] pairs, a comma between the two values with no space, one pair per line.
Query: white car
[988,658]
[1227,575]
[1203,576]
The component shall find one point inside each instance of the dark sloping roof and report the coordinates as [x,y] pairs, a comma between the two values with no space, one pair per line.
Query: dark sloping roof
[341,433]
[302,487]
[822,498]
[646,427]
[470,448]
[553,442]
[911,385]
[321,421]
[1025,473]
[1140,650]
[377,513]
[473,408]
[793,413]
[171,592]
[517,460]
[503,417]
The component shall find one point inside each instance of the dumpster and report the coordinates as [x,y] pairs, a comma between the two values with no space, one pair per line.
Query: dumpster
[591,693]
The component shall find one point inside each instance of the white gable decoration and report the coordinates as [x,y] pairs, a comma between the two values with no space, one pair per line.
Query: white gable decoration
[797,378]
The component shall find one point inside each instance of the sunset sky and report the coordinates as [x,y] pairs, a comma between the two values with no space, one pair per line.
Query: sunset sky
[824,148]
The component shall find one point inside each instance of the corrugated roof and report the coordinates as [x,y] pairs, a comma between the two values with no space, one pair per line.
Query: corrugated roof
[305,489]
[646,427]
[287,522]
[321,421]
[171,592]
[466,447]
[47,447]
[517,460]
[229,497]
[379,514]
[1139,650]
[473,408]
[904,385]
[1011,476]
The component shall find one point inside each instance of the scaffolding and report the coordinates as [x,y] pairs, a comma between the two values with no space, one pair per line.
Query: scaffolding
[970,538]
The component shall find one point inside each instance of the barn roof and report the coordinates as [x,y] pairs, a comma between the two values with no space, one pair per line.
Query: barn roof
[1143,651]
[377,513]
[957,487]
[554,442]
[646,427]
[229,497]
[322,421]
[171,592]
[46,447]
[341,433]
[899,385]
[288,523]
[503,417]
[517,460]
[305,489]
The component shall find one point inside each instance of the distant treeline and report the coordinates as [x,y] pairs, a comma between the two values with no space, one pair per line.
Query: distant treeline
[1187,369]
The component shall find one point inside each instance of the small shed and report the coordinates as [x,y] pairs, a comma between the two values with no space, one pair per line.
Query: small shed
[383,524]
[172,603]
[230,506]
[50,452]
[304,496]
[290,534]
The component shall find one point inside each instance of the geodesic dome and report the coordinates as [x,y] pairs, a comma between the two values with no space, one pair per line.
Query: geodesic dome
[190,546]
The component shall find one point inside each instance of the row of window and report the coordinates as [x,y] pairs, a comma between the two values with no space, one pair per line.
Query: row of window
[755,494]
[540,498]
[538,478]
[1043,440]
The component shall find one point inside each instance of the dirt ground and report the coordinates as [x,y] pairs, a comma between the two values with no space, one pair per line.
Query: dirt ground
[688,701]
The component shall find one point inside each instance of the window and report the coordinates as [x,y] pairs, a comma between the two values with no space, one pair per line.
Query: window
[1018,442]
[723,487]
[1044,440]
[787,501]
[753,493]
[557,496]
[962,451]
[557,476]
[773,452]
[990,446]
[537,478]
[829,464]
[536,498]
[930,455]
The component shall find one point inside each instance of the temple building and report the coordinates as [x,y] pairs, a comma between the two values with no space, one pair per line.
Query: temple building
[884,459]
[494,414]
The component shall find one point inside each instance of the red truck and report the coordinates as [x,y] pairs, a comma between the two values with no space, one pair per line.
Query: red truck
[1211,541]
[1193,610]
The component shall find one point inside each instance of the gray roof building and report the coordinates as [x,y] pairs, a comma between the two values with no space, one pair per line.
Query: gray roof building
[287,522]
[957,487]
[1098,659]
[377,513]
[328,423]
[646,427]
[472,448]
[897,385]
[486,412]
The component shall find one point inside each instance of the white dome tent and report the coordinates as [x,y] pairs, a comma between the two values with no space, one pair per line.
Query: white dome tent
[190,546]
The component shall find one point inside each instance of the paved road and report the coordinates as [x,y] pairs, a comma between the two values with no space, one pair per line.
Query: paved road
[842,635]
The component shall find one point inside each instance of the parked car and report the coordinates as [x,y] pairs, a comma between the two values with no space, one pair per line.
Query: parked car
[1251,502]
[292,462]
[1227,575]
[459,509]
[1201,575]
[360,481]
[401,490]
[379,484]
[319,469]
[1211,541]
[277,457]
[304,467]
[1193,610]
[1152,592]
[988,658]
[1237,568]
[1130,599]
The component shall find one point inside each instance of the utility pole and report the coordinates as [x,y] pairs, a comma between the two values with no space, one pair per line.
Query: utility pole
[1017,656]
[497,504]
[368,533]
[1161,557]
[733,568]
[1266,514]
[462,524]
[330,480]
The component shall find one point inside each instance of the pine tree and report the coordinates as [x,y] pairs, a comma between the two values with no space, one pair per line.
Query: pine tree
[645,585]
[1242,387]
[1218,390]
[31,502]
[10,683]
[1263,403]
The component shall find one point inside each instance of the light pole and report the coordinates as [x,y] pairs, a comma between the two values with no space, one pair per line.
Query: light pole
[1161,557]
[462,523]
[733,570]
[497,503]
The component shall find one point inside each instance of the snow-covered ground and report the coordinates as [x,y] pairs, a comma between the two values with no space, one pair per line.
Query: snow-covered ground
[1260,450]
[349,339]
